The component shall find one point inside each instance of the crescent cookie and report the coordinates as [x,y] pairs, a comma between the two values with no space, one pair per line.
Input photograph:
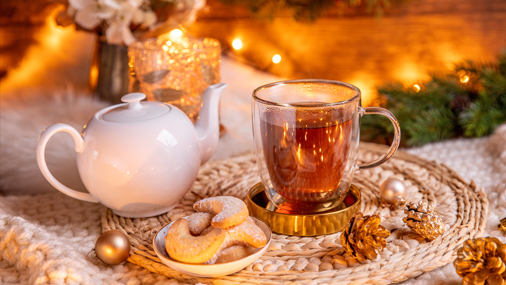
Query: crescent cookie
[229,211]
[233,253]
[247,233]
[184,247]
[198,222]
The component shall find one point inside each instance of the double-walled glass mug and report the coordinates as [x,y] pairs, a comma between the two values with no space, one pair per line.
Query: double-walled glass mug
[306,135]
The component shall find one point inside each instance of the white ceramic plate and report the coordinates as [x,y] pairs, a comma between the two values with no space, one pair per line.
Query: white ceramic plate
[211,270]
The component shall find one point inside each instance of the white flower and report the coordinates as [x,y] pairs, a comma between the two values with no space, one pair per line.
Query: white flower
[150,19]
[197,6]
[91,12]
[117,16]
[138,17]
[119,31]
[144,18]
[117,4]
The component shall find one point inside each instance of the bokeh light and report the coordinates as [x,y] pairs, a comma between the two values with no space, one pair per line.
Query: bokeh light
[237,44]
[276,58]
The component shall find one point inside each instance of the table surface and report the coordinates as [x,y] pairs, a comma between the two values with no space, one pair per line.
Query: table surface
[63,235]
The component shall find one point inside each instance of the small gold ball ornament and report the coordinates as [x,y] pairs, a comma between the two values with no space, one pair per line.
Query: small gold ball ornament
[392,188]
[112,247]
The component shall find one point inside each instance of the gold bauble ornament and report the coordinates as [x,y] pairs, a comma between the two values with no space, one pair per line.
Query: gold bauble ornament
[481,261]
[363,236]
[392,188]
[112,247]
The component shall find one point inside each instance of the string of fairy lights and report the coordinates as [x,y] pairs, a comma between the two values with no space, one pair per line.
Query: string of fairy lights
[463,78]
[238,45]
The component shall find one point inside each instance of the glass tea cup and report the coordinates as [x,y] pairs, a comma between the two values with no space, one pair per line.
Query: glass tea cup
[306,135]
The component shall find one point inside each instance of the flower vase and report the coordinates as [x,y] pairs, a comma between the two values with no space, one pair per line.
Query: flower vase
[109,73]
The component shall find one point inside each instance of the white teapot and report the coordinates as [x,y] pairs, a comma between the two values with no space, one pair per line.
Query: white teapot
[139,158]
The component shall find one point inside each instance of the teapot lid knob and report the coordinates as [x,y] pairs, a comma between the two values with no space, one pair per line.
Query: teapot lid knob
[134,111]
[134,100]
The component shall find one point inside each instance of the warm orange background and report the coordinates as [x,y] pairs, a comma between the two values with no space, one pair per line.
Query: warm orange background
[406,44]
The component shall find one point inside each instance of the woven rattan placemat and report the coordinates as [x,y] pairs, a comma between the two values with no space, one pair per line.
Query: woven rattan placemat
[321,259]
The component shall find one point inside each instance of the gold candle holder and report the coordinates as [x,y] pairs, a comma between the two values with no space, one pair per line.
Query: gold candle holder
[175,69]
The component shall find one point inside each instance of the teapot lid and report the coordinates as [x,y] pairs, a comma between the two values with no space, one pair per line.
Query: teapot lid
[135,111]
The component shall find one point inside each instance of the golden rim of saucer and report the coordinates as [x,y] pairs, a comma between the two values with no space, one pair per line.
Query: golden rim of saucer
[316,224]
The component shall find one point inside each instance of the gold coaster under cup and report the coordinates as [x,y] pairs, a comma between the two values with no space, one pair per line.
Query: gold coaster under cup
[324,223]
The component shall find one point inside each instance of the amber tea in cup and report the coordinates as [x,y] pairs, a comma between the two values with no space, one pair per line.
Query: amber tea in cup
[306,135]
[293,152]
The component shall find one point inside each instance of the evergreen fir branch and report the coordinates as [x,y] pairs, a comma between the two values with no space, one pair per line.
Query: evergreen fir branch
[494,84]
[308,10]
[481,119]
[265,8]
[472,67]
[431,126]
[471,102]
[502,63]
[489,110]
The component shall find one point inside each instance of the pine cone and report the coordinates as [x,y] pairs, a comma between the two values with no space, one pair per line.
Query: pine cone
[481,261]
[363,235]
[398,203]
[460,103]
[422,220]
[502,225]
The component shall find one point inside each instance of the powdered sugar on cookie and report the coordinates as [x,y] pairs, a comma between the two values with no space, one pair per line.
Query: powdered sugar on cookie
[198,222]
[229,211]
[221,231]
[182,246]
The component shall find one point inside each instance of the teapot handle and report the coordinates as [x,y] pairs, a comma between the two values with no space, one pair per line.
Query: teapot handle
[41,159]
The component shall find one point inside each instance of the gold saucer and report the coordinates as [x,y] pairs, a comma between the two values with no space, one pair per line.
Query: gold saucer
[325,223]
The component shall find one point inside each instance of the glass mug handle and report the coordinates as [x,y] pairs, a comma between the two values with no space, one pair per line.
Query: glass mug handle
[397,135]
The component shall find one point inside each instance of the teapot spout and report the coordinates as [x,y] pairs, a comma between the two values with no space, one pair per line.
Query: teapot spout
[208,125]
